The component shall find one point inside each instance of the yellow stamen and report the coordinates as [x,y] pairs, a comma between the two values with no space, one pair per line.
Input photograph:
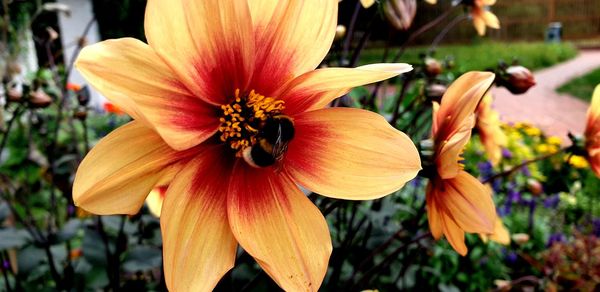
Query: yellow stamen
[243,118]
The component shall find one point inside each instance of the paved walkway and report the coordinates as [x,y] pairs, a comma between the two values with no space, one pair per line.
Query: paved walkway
[555,113]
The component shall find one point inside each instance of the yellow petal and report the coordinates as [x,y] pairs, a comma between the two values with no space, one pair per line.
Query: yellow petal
[316,89]
[593,115]
[146,88]
[491,20]
[468,202]
[155,200]
[118,173]
[208,44]
[500,235]
[455,235]
[433,213]
[431,1]
[454,119]
[460,101]
[368,3]
[478,23]
[291,37]
[198,246]
[350,154]
[280,227]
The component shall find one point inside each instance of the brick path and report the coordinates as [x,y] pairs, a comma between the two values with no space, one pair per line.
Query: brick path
[555,113]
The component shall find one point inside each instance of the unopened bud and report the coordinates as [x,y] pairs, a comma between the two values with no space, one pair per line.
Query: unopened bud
[57,7]
[400,13]
[535,187]
[39,99]
[434,92]
[518,79]
[520,238]
[80,114]
[432,67]
[52,34]
[340,32]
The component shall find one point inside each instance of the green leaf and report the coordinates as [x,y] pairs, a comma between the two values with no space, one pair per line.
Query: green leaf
[13,238]
[69,230]
[142,258]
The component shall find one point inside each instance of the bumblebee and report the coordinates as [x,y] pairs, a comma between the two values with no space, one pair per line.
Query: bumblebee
[271,143]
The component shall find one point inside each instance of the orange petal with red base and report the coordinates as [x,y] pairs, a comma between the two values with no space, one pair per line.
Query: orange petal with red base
[208,44]
[279,226]
[316,89]
[350,154]
[198,246]
[131,75]
[292,37]
[118,173]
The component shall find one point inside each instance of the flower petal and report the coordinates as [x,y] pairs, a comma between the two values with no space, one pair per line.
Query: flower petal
[468,202]
[118,173]
[199,247]
[317,88]
[208,44]
[291,37]
[460,101]
[280,227]
[146,88]
[455,235]
[433,214]
[447,159]
[350,154]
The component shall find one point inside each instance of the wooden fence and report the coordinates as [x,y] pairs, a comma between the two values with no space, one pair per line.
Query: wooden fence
[528,19]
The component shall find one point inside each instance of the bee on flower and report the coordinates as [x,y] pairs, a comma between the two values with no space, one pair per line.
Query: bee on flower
[231,113]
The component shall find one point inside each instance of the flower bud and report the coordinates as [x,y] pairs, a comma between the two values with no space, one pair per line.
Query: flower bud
[518,79]
[434,92]
[535,187]
[400,13]
[39,99]
[80,114]
[432,67]
[340,32]
[520,238]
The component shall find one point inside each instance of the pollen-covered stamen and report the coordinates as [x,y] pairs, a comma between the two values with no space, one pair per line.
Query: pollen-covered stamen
[243,118]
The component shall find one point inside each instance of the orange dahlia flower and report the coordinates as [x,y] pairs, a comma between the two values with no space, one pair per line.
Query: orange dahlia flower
[592,132]
[482,17]
[230,112]
[456,201]
[490,130]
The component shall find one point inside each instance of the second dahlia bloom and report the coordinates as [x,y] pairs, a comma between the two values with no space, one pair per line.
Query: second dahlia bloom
[490,129]
[231,114]
[592,132]
[482,17]
[456,201]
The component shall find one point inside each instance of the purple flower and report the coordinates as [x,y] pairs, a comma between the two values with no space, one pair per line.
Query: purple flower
[555,238]
[596,227]
[525,171]
[6,264]
[485,169]
[506,153]
[511,257]
[551,202]
[514,196]
[504,209]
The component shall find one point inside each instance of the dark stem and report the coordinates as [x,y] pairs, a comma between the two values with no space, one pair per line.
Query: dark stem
[445,31]
[107,253]
[405,85]
[4,273]
[16,114]
[420,31]
[388,259]
[348,40]
[520,166]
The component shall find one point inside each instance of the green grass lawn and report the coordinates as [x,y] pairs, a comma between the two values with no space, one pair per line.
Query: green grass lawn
[534,55]
[582,86]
